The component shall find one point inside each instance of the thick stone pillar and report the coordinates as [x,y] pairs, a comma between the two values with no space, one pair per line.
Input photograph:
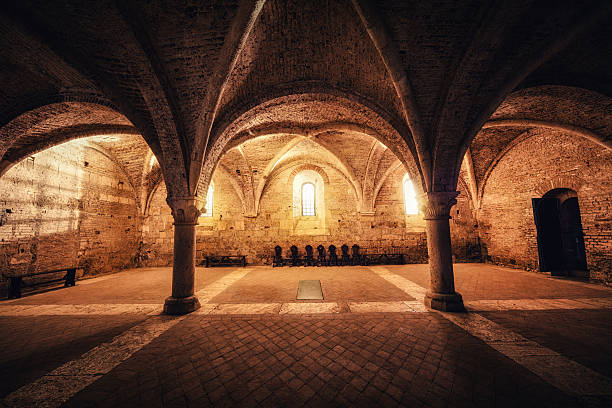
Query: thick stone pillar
[436,209]
[185,211]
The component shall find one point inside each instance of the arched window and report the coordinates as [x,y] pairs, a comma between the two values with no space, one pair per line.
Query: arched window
[208,208]
[308,199]
[410,203]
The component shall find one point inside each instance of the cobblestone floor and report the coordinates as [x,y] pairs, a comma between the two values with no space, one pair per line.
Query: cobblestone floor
[102,343]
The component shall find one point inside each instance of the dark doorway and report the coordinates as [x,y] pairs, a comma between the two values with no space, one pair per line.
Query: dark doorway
[560,238]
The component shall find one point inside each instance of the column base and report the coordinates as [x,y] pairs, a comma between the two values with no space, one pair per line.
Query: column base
[181,306]
[445,302]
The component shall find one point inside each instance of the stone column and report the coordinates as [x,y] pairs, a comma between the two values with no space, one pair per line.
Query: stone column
[185,211]
[436,209]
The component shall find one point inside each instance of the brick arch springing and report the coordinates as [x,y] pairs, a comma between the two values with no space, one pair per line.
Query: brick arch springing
[557,182]
[516,141]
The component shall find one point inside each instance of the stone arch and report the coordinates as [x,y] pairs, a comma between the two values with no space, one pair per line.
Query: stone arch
[516,141]
[344,168]
[308,164]
[391,131]
[312,167]
[49,125]
[37,103]
[559,182]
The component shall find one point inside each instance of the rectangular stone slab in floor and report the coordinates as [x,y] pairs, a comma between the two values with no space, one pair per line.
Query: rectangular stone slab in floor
[309,290]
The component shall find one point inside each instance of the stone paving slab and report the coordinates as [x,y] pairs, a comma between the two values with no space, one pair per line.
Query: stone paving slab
[387,361]
[279,285]
[582,335]
[379,307]
[138,286]
[247,308]
[310,308]
[539,304]
[479,281]
[59,385]
[516,330]
[32,346]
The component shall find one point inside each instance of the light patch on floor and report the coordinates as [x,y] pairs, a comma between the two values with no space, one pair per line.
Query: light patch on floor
[58,386]
[559,371]
[310,308]
[246,308]
[379,307]
[412,289]
[77,310]
[212,290]
[303,308]
[538,304]
[563,373]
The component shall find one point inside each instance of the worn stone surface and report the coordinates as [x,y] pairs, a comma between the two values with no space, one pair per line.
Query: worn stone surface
[325,353]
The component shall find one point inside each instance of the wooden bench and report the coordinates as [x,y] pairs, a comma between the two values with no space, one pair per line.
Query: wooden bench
[226,260]
[384,259]
[17,282]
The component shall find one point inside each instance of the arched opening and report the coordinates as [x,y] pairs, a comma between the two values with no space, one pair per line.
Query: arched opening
[309,206]
[411,206]
[308,199]
[559,233]
[207,211]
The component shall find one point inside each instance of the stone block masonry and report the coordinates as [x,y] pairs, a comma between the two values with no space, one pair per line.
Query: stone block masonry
[69,205]
[543,162]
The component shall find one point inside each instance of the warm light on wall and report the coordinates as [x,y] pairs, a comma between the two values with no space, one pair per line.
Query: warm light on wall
[208,208]
[410,203]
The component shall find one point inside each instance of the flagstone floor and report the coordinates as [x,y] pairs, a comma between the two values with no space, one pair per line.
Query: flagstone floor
[527,340]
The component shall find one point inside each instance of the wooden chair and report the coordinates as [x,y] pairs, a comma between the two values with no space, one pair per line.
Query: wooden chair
[356,257]
[278,257]
[309,259]
[295,257]
[333,258]
[321,260]
[346,258]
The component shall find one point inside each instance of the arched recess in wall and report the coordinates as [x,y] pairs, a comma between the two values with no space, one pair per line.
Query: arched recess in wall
[307,163]
[533,132]
[309,213]
[49,125]
[342,109]
[279,164]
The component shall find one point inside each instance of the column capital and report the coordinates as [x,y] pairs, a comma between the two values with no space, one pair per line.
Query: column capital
[436,205]
[186,210]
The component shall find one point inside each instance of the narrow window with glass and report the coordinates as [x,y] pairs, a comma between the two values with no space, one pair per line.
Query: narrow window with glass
[208,208]
[410,203]
[308,199]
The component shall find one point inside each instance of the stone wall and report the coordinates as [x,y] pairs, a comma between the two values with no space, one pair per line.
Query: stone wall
[548,160]
[228,231]
[69,205]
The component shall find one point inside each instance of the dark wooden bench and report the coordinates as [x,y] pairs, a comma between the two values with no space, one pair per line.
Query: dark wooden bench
[18,282]
[225,260]
[384,259]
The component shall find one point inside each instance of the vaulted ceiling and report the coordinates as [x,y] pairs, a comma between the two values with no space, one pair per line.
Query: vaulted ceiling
[197,79]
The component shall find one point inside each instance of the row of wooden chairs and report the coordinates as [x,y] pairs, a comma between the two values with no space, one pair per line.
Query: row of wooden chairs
[323,259]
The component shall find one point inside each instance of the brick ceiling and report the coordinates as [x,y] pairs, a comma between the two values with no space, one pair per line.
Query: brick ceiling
[196,80]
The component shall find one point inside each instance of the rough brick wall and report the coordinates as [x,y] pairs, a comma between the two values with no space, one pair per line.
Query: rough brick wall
[540,163]
[229,232]
[69,205]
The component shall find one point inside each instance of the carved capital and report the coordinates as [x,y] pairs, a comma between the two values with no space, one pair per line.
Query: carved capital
[436,205]
[186,210]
